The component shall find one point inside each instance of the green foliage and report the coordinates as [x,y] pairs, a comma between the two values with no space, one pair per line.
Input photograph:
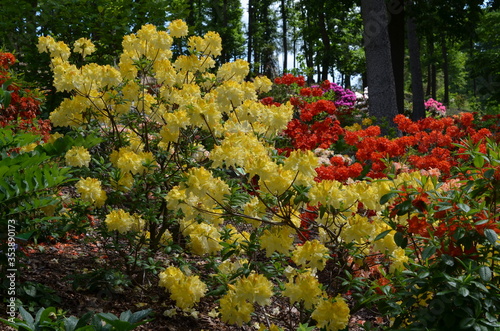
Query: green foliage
[451,280]
[27,177]
[35,295]
[51,319]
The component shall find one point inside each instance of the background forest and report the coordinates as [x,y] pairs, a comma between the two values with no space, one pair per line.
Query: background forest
[207,165]
[457,40]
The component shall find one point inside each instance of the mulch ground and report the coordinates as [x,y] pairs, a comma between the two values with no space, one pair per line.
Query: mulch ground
[55,266]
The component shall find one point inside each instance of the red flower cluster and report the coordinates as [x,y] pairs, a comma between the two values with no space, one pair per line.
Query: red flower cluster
[311,92]
[7,60]
[289,79]
[310,111]
[321,134]
[24,106]
[269,101]
[339,172]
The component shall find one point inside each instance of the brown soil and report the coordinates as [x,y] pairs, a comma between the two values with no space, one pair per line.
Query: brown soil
[55,265]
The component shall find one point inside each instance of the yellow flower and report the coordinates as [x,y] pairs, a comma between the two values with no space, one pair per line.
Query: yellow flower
[262,84]
[119,220]
[84,47]
[77,156]
[358,229]
[254,288]
[212,44]
[55,48]
[187,63]
[178,28]
[333,193]
[366,121]
[126,182]
[235,310]
[398,259]
[236,71]
[28,148]
[129,161]
[53,137]
[185,290]
[90,190]
[278,239]
[304,287]
[204,238]
[330,315]
[303,163]
[312,254]
[170,276]
[237,305]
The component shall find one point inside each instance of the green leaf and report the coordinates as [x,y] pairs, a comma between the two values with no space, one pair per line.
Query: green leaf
[139,315]
[488,174]
[485,273]
[125,316]
[27,317]
[478,161]
[386,197]
[382,235]
[463,291]
[491,235]
[44,316]
[464,207]
[467,323]
[428,252]
[400,239]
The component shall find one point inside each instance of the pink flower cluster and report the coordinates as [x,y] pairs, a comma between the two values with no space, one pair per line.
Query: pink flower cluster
[435,107]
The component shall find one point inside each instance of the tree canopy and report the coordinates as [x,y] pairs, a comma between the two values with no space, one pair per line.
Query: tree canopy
[457,44]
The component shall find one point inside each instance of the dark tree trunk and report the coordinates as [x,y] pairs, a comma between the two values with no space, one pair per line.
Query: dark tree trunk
[446,74]
[308,52]
[251,20]
[381,88]
[284,36]
[417,88]
[326,47]
[396,29]
[433,80]
[429,76]
[347,81]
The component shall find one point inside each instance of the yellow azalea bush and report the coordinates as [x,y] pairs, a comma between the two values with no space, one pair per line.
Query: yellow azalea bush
[188,159]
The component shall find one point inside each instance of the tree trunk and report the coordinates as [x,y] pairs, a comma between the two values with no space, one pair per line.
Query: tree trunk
[433,70]
[446,74]
[308,52]
[347,81]
[417,88]
[284,36]
[381,88]
[396,29]
[326,47]
[250,30]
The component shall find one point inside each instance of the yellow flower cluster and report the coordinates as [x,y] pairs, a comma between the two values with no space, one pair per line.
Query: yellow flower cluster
[335,194]
[77,156]
[237,305]
[277,239]
[200,193]
[122,221]
[128,161]
[204,238]
[185,290]
[312,254]
[84,47]
[305,288]
[91,191]
[332,315]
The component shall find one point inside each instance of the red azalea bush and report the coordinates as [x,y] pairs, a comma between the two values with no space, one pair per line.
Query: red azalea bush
[20,106]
